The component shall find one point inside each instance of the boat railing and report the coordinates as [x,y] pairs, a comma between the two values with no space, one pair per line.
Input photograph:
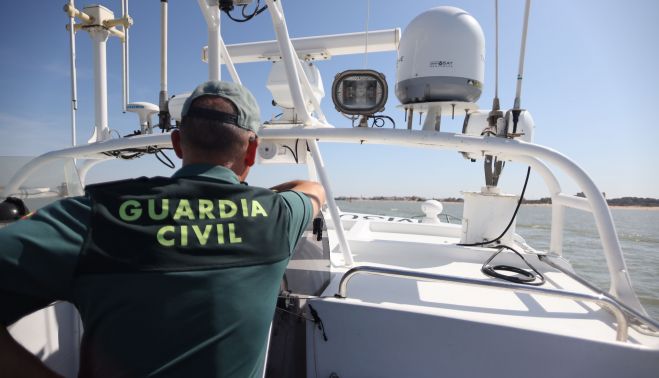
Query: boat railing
[534,155]
[611,304]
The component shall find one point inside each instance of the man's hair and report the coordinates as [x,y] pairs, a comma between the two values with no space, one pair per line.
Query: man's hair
[214,137]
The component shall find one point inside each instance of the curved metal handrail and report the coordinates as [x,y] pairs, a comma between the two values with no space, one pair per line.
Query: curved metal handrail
[603,301]
[510,149]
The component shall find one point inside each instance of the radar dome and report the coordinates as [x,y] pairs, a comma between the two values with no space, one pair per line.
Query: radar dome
[441,57]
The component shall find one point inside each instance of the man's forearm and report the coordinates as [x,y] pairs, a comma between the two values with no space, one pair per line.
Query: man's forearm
[287,185]
[16,361]
[312,189]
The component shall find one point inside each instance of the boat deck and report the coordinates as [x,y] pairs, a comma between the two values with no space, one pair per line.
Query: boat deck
[434,250]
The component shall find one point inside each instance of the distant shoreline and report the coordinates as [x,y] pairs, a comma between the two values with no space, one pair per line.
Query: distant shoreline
[625,202]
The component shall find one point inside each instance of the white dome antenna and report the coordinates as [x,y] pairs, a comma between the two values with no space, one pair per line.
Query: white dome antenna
[144,111]
[441,57]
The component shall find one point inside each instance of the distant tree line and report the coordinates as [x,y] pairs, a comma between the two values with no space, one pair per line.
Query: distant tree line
[397,198]
[624,201]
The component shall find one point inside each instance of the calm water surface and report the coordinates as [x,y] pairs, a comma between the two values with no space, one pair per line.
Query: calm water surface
[638,231]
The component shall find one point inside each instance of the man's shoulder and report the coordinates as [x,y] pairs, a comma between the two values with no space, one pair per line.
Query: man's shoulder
[64,210]
[125,182]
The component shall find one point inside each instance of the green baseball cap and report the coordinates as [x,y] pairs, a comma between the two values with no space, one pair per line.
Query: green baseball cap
[248,116]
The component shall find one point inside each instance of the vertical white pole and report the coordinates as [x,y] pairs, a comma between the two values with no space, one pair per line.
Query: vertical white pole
[74,84]
[212,17]
[99,37]
[163,115]
[522,50]
[226,60]
[163,46]
[557,218]
[213,53]
[289,58]
[331,204]
[124,58]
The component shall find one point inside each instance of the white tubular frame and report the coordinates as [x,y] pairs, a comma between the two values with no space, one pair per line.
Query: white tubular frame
[164,29]
[290,58]
[333,208]
[216,47]
[125,58]
[74,84]
[297,81]
[318,47]
[212,17]
[513,150]
[99,39]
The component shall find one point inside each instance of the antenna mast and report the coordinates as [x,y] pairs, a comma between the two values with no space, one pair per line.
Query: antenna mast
[518,92]
[124,55]
[491,165]
[368,14]
[74,81]
[164,119]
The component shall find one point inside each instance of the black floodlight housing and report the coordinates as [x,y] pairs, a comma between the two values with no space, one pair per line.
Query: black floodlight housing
[359,92]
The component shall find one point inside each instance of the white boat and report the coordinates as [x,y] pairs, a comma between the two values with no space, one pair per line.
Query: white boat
[391,297]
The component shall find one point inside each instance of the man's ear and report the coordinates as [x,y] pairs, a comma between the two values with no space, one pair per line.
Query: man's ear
[250,154]
[176,143]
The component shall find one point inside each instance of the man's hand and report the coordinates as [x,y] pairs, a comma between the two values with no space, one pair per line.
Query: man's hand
[312,189]
[16,361]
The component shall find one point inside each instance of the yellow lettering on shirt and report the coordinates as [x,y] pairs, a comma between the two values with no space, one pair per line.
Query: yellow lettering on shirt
[233,239]
[228,208]
[220,233]
[243,204]
[184,236]
[206,209]
[226,213]
[164,209]
[161,236]
[130,211]
[184,210]
[257,209]
[202,237]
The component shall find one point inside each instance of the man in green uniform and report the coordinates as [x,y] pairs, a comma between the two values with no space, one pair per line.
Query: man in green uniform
[173,277]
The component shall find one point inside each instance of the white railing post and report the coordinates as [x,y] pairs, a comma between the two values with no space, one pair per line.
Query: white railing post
[289,58]
[212,17]
[331,203]
[557,209]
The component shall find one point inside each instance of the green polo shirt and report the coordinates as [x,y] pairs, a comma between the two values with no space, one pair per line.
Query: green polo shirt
[193,321]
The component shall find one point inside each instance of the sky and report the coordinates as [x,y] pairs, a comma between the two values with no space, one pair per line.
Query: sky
[590,82]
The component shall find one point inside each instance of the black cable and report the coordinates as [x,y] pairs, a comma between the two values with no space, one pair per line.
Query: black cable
[519,203]
[378,121]
[248,17]
[292,152]
[295,155]
[524,278]
[167,161]
[134,153]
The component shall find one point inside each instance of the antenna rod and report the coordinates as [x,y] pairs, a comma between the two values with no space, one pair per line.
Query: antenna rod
[496,52]
[496,113]
[124,57]
[492,166]
[74,81]
[214,52]
[518,93]
[368,13]
[163,115]
[522,51]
